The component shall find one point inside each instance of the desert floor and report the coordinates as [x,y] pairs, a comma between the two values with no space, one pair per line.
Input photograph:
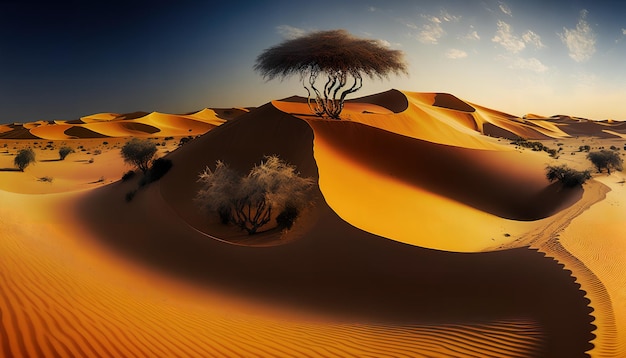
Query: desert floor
[366,273]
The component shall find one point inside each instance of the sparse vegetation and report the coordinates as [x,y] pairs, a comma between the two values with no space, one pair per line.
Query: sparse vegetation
[24,158]
[338,56]
[272,189]
[584,148]
[64,152]
[158,169]
[128,175]
[536,147]
[139,153]
[46,179]
[606,159]
[568,177]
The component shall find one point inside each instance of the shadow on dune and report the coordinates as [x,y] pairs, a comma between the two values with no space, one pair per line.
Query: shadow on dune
[9,170]
[333,268]
[469,176]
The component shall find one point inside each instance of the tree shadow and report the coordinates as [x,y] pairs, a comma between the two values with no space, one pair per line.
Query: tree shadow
[9,170]
[51,160]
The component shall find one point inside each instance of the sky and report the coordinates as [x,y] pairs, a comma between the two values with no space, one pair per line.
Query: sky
[68,59]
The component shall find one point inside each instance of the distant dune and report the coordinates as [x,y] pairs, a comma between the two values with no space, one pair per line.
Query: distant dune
[136,124]
[429,235]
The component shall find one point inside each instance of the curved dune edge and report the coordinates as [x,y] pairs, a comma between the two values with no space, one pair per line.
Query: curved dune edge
[552,239]
[598,243]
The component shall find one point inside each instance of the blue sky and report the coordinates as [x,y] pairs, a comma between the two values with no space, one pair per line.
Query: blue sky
[70,59]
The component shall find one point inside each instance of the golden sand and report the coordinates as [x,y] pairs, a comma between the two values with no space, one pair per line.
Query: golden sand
[418,244]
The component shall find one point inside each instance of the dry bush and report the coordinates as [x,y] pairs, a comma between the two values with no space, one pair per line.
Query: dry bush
[272,189]
[139,153]
[24,158]
[64,152]
[568,177]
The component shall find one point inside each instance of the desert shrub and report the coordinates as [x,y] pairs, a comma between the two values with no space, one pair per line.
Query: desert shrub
[584,148]
[606,159]
[185,140]
[64,152]
[287,217]
[97,152]
[568,177]
[24,158]
[139,153]
[130,195]
[46,179]
[272,189]
[158,169]
[128,175]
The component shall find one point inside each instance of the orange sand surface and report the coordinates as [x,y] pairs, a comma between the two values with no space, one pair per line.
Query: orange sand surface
[430,235]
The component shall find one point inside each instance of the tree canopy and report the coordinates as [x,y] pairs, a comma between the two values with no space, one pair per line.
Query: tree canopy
[139,153]
[336,54]
[606,159]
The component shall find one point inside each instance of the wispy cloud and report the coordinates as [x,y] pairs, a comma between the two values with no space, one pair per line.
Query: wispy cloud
[623,31]
[532,38]
[581,41]
[455,54]
[505,8]
[472,35]
[513,43]
[505,37]
[290,32]
[431,31]
[531,64]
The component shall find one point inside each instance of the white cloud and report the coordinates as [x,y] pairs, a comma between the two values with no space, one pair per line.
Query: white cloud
[513,43]
[290,32]
[531,64]
[473,35]
[432,30]
[581,41]
[505,37]
[505,9]
[455,54]
[371,9]
[623,31]
[532,38]
[447,17]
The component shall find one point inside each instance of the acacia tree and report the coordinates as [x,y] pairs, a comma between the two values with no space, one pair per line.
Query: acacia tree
[606,159]
[337,55]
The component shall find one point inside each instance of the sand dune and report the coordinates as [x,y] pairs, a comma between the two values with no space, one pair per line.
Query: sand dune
[417,245]
[137,124]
